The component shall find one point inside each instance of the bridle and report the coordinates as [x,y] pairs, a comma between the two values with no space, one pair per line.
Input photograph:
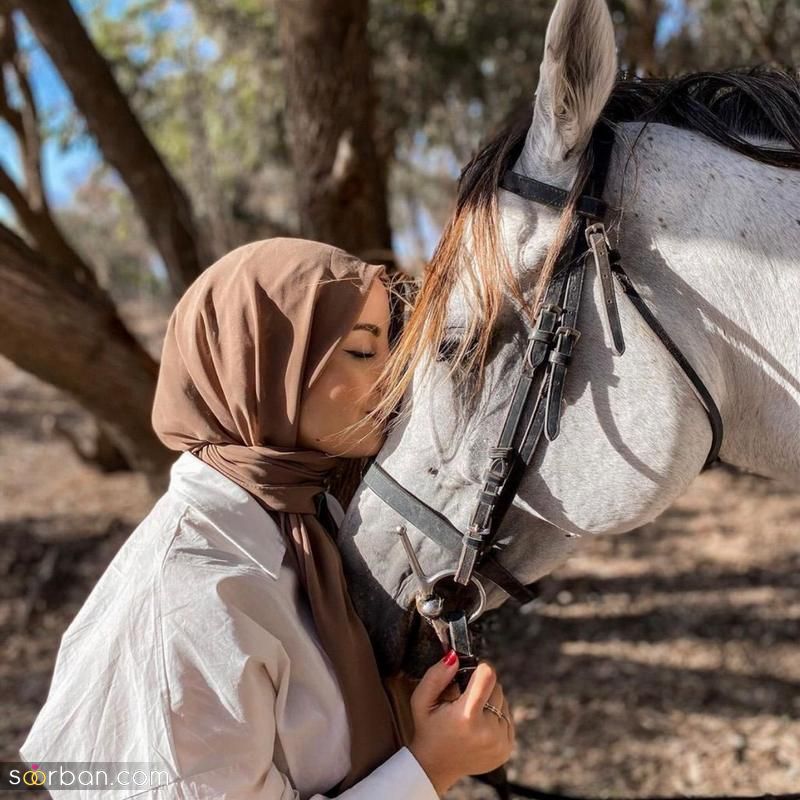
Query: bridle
[535,407]
[536,404]
[534,411]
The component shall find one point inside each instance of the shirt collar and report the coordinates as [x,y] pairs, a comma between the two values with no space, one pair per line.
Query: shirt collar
[235,513]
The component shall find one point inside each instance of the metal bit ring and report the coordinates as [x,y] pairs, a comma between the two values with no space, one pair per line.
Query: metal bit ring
[450,573]
[427,583]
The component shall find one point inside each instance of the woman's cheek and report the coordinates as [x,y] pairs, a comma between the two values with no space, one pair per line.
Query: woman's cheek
[341,392]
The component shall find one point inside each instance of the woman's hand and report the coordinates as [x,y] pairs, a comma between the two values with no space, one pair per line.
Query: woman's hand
[459,737]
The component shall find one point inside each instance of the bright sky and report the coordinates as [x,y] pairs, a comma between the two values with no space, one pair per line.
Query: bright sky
[63,169]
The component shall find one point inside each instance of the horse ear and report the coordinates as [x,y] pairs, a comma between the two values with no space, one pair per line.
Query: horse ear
[575,81]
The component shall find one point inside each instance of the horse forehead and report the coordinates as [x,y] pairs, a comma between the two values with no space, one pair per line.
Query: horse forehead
[458,307]
[524,231]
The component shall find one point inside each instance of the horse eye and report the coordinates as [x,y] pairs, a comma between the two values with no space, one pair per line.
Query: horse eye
[448,348]
[451,345]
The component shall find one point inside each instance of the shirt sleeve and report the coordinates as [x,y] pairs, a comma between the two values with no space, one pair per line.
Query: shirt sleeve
[226,679]
[235,736]
[400,777]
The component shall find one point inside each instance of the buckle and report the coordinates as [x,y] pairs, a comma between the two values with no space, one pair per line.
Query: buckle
[561,355]
[551,308]
[598,229]
[544,331]
[571,333]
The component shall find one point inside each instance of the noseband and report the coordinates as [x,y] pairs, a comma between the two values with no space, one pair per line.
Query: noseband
[536,404]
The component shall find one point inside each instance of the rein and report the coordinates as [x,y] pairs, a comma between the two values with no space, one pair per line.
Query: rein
[534,412]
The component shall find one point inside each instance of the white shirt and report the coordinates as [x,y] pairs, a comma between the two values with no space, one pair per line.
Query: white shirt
[196,649]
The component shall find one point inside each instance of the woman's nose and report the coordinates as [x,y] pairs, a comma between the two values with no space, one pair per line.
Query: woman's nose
[374,390]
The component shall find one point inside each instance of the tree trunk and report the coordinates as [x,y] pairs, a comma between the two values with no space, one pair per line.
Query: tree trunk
[340,175]
[65,335]
[162,203]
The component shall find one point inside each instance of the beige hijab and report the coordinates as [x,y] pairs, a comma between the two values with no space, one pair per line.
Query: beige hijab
[248,337]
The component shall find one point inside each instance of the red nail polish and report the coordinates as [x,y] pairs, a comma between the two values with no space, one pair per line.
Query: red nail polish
[450,658]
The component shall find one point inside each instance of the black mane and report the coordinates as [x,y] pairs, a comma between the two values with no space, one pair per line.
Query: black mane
[728,107]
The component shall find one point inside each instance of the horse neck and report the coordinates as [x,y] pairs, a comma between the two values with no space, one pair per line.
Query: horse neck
[711,239]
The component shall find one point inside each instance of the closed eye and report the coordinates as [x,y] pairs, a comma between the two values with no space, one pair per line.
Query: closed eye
[360,354]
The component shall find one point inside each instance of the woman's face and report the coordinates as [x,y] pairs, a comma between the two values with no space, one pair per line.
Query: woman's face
[344,391]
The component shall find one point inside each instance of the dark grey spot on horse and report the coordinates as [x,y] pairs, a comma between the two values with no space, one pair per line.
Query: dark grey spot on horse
[433,471]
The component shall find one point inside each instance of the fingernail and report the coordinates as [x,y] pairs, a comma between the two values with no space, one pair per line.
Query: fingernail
[450,658]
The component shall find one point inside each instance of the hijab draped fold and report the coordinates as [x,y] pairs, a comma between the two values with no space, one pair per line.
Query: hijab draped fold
[243,344]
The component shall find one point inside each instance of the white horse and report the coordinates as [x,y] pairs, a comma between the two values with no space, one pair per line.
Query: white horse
[710,237]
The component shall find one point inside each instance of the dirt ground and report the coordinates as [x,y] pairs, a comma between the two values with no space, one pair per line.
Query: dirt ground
[662,662]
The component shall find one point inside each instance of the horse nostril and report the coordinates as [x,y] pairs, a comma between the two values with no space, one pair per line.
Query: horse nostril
[433,471]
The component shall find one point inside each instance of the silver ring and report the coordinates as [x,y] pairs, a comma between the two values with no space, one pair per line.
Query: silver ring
[450,573]
[496,711]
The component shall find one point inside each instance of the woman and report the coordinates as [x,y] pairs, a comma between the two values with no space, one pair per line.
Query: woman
[221,641]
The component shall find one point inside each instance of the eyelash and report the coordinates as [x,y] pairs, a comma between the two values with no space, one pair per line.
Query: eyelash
[447,349]
[359,354]
[450,345]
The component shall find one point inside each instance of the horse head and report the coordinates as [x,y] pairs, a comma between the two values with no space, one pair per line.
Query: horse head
[633,434]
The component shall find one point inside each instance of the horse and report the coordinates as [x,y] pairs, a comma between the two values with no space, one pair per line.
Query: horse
[703,191]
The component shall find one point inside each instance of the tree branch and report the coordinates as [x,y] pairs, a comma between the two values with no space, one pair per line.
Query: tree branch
[7,46]
[30,202]
[30,134]
[56,253]
[161,201]
[14,240]
[13,194]
[56,331]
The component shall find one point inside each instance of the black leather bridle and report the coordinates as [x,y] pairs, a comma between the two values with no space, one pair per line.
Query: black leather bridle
[535,407]
[535,410]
